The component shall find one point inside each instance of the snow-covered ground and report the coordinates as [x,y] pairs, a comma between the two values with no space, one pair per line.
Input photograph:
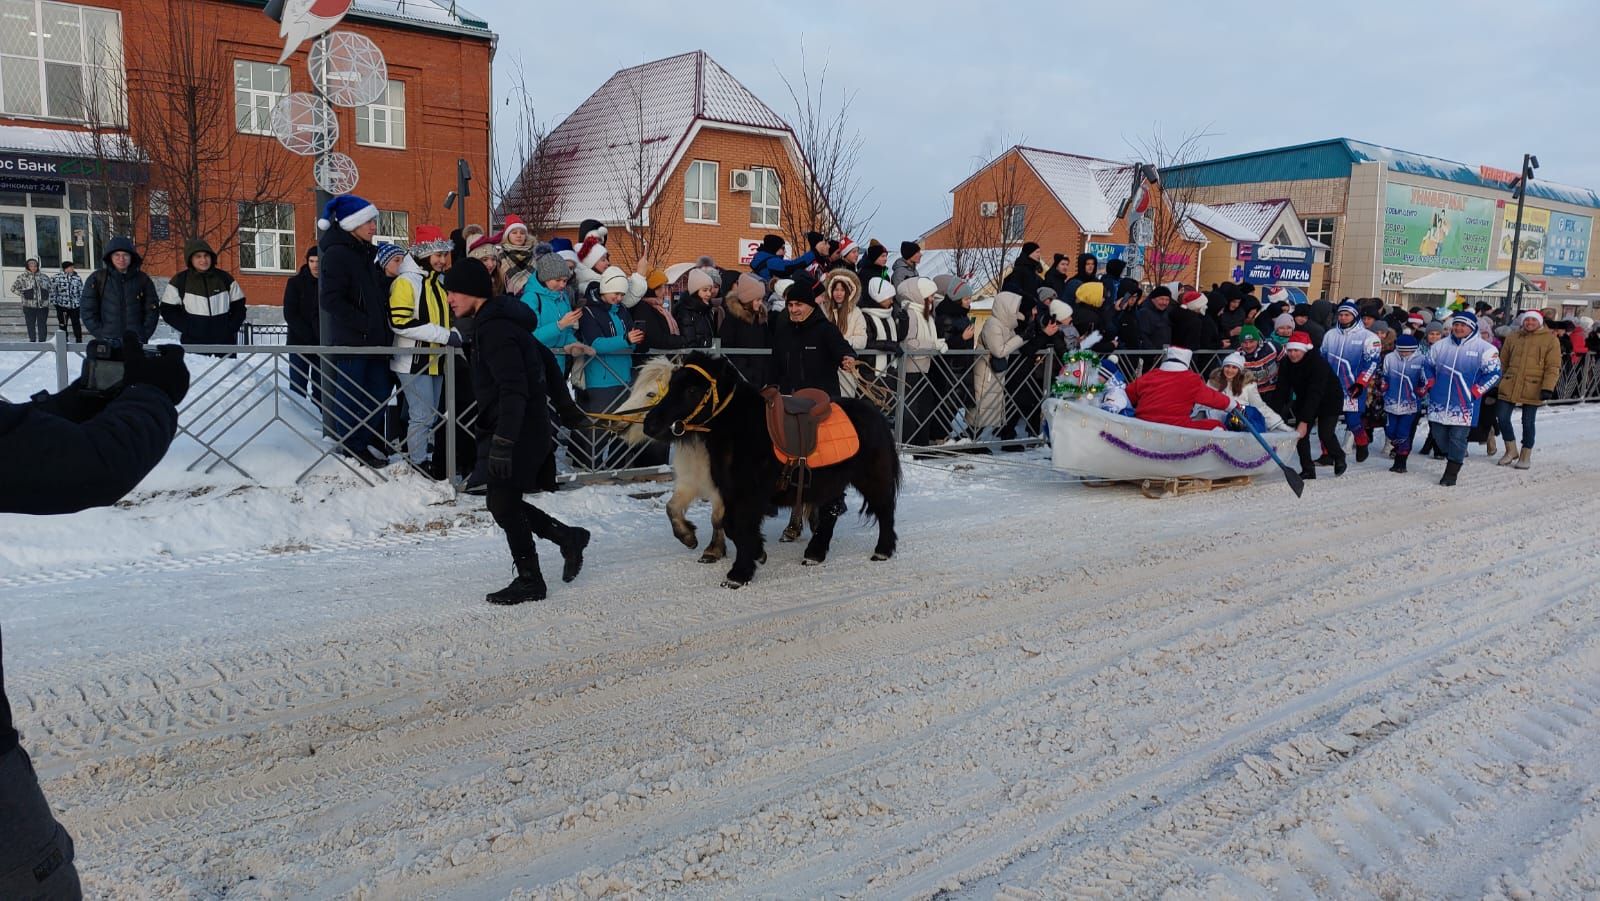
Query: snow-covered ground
[1384,689]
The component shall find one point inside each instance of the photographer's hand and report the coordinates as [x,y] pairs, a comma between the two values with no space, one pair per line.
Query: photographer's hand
[165,370]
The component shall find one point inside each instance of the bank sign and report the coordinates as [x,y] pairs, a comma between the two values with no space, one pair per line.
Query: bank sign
[1277,253]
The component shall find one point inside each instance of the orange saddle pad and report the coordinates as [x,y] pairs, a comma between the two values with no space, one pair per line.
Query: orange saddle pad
[837,441]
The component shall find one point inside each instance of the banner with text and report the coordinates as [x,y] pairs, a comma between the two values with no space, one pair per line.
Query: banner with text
[1566,246]
[1439,229]
[1535,223]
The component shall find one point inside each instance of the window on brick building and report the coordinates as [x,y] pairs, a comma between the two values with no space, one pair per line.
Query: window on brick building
[61,61]
[1320,229]
[1015,223]
[765,198]
[257,87]
[383,124]
[394,226]
[700,192]
[266,237]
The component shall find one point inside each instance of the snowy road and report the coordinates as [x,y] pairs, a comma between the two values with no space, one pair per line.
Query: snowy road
[1384,689]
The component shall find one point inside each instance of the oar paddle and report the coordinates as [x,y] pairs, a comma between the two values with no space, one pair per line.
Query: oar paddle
[1296,484]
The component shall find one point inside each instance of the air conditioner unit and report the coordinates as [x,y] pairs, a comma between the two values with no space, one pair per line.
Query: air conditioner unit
[742,181]
[988,209]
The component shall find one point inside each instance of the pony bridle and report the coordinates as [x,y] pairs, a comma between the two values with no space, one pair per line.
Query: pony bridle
[712,398]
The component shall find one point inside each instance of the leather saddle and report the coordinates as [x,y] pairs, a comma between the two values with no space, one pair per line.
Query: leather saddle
[793,420]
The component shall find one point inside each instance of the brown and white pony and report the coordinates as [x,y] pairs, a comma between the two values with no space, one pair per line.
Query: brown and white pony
[691,464]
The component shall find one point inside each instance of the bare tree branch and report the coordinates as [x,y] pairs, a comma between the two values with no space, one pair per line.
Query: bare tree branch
[832,200]
[988,233]
[523,182]
[1178,194]
[635,168]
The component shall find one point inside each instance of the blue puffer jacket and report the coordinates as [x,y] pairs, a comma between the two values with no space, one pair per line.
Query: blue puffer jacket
[550,306]
[1461,372]
[1404,380]
[605,328]
[767,266]
[1354,353]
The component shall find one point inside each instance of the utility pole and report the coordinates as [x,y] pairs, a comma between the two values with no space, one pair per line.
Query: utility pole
[1519,190]
[458,197]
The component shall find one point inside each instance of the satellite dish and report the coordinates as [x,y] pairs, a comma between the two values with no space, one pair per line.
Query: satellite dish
[348,69]
[305,124]
[336,173]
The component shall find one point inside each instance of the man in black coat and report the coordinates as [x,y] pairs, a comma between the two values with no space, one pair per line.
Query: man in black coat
[350,288]
[1316,397]
[516,380]
[807,349]
[119,298]
[1155,327]
[303,315]
[60,454]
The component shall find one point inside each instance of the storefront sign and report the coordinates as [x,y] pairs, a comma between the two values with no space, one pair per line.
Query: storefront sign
[1277,253]
[1264,272]
[1566,248]
[1534,225]
[24,184]
[1438,229]
[1496,176]
[1393,278]
[747,250]
[1105,253]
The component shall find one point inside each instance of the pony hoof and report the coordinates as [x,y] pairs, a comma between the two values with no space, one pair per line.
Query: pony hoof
[788,536]
[689,540]
[762,560]
[879,557]
[810,562]
[709,558]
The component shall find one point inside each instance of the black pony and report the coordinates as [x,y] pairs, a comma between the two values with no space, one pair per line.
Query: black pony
[708,393]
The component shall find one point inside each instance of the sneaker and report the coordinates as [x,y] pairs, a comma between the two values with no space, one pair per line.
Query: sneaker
[572,552]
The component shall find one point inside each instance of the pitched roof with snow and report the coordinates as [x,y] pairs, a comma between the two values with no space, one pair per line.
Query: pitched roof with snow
[1091,190]
[430,15]
[1247,221]
[625,135]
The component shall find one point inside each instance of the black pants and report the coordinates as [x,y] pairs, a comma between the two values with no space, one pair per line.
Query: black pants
[1326,423]
[521,522]
[35,850]
[72,316]
[1025,391]
[38,321]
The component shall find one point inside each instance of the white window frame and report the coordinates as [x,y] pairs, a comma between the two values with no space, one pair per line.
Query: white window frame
[273,239]
[1321,234]
[402,239]
[758,204]
[713,205]
[258,99]
[1014,224]
[110,76]
[394,114]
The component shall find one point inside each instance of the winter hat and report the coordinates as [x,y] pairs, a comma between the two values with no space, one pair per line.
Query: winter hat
[592,251]
[747,289]
[909,249]
[472,281]
[772,244]
[953,286]
[846,247]
[697,280]
[780,287]
[1029,248]
[1415,320]
[1406,342]
[655,279]
[1055,259]
[310,252]
[875,253]
[613,282]
[1177,354]
[387,252]
[593,227]
[1302,309]
[484,248]
[1277,295]
[880,289]
[1531,314]
[1284,319]
[1348,305]
[1434,326]
[1234,359]
[559,244]
[1251,333]
[1464,318]
[1047,294]
[348,211]
[550,267]
[569,255]
[428,239]
[1114,268]
[1298,341]
[800,292]
[1060,311]
[1091,293]
[1160,291]
[514,221]
[1194,301]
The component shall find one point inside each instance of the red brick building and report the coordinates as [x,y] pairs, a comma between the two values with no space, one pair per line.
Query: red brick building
[675,156]
[110,63]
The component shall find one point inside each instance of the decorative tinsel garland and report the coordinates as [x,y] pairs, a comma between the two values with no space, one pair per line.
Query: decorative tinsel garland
[1070,388]
[1183,455]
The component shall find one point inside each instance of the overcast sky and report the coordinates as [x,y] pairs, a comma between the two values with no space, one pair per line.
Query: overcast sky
[938,84]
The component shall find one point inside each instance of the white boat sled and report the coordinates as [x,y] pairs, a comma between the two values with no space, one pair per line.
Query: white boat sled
[1089,442]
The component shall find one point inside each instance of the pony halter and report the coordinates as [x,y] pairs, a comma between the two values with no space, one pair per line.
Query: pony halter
[713,398]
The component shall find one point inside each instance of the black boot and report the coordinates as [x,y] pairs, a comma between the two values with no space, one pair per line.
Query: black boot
[1450,471]
[1309,473]
[1339,466]
[527,586]
[1399,463]
[572,545]
[1324,460]
[1361,453]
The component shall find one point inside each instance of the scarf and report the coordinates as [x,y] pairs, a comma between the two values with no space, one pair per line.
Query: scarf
[672,323]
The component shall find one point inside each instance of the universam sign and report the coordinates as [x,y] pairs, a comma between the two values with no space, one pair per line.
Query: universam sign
[1437,229]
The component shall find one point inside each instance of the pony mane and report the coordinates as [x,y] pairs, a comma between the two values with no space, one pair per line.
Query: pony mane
[656,369]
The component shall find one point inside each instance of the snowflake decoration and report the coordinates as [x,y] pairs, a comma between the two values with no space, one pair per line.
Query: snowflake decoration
[336,173]
[348,69]
[305,124]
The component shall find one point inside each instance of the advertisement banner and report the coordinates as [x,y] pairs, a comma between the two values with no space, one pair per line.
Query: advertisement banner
[1266,272]
[1277,253]
[1566,246]
[1438,229]
[1105,253]
[1534,225]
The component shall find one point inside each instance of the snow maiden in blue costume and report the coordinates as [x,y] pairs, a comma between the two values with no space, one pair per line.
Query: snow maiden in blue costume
[1404,382]
[1461,369]
[1354,353]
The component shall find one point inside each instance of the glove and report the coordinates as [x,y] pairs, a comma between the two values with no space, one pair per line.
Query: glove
[70,403]
[1547,395]
[1129,412]
[572,416]
[500,458]
[165,371]
[455,339]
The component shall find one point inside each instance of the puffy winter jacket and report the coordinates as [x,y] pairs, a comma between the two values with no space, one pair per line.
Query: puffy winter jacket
[1155,328]
[767,266]
[1530,365]
[514,379]
[351,291]
[548,307]
[1404,382]
[115,303]
[903,269]
[300,309]
[204,306]
[1462,372]
[1354,353]
[808,354]
[1313,388]
[605,328]
[419,316]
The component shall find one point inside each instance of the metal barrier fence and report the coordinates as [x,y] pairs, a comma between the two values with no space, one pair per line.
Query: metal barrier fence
[258,406]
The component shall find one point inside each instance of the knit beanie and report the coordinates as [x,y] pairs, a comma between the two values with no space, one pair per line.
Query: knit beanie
[909,249]
[1235,359]
[1406,342]
[1251,333]
[1029,249]
[655,279]
[1092,293]
[613,282]
[698,280]
[772,244]
[472,281]
[747,289]
[1047,294]
[591,227]
[1160,291]
[880,289]
[388,252]
[1060,311]
[1283,320]
[550,267]
[875,253]
[800,292]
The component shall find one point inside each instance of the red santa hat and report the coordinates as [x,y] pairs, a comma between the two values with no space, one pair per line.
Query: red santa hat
[1194,301]
[1299,341]
[591,252]
[846,247]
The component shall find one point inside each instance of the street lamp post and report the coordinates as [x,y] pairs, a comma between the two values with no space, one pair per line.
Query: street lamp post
[1519,190]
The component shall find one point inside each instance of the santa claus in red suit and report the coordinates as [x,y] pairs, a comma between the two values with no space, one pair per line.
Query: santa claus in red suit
[1168,394]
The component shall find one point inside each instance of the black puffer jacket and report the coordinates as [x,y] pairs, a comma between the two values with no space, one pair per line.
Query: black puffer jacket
[808,354]
[1312,386]
[694,325]
[300,309]
[515,379]
[952,320]
[352,292]
[115,303]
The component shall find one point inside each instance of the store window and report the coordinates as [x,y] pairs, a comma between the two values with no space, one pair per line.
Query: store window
[1016,222]
[383,124]
[266,237]
[257,88]
[61,61]
[394,227]
[700,192]
[765,197]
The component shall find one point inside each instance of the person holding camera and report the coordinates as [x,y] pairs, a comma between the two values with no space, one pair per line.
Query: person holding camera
[84,447]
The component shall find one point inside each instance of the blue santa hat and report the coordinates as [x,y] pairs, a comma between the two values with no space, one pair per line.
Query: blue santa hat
[347,211]
[1465,318]
[559,244]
